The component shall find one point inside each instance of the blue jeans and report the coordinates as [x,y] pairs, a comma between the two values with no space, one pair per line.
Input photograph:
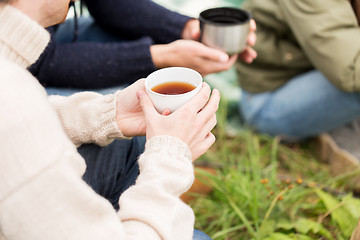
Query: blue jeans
[110,170]
[305,106]
[198,235]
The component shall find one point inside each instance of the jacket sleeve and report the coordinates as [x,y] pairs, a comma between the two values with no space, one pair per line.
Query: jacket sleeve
[91,65]
[329,34]
[138,18]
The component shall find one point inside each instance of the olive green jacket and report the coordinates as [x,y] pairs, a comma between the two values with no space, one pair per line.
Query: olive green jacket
[295,36]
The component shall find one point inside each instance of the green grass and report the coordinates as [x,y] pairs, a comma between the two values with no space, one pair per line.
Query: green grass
[266,190]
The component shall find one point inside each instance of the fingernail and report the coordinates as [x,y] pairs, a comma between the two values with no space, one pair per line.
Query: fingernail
[224,58]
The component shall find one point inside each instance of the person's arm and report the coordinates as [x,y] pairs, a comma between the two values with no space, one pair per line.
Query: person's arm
[90,65]
[138,18]
[42,195]
[88,117]
[329,34]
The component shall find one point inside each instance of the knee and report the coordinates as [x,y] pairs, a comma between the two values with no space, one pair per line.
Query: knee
[277,125]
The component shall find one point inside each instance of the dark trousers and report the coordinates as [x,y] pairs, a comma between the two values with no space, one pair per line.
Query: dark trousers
[113,168]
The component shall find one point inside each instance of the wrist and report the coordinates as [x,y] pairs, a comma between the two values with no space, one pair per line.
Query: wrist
[159,55]
[169,144]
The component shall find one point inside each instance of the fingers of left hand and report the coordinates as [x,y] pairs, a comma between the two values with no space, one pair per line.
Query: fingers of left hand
[204,145]
[211,107]
[251,39]
[252,25]
[208,126]
[248,55]
[200,99]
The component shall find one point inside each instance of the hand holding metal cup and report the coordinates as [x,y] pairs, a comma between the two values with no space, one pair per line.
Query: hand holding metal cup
[225,29]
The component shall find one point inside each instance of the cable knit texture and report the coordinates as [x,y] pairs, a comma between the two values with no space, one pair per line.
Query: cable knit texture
[23,50]
[42,194]
[84,126]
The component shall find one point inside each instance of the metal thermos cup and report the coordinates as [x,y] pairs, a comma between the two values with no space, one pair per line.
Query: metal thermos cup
[225,28]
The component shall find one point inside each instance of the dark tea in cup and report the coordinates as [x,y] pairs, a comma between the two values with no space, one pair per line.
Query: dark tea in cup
[173,88]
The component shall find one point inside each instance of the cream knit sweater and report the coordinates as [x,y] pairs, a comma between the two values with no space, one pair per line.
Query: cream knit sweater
[42,195]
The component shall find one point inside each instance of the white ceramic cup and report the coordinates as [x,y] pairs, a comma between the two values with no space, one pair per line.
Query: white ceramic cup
[172,74]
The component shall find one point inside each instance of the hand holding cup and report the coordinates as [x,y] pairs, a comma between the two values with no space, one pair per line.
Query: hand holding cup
[191,122]
[225,28]
[230,30]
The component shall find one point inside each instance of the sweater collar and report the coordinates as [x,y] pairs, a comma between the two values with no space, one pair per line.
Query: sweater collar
[22,40]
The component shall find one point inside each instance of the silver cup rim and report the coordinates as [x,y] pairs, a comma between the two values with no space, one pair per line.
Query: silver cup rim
[239,10]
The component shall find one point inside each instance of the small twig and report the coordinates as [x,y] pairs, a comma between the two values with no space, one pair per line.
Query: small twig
[322,217]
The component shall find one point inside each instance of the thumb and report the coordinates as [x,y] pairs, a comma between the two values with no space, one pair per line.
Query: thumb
[195,34]
[146,104]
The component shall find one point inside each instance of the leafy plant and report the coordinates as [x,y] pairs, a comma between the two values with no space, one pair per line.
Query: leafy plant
[265,190]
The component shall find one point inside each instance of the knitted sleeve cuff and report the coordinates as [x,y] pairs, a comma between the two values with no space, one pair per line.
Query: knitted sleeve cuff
[171,145]
[88,117]
[171,158]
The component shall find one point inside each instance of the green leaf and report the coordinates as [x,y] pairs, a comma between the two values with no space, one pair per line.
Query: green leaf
[339,214]
[302,237]
[305,226]
[352,205]
[282,236]
[266,229]
[285,225]
[279,236]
